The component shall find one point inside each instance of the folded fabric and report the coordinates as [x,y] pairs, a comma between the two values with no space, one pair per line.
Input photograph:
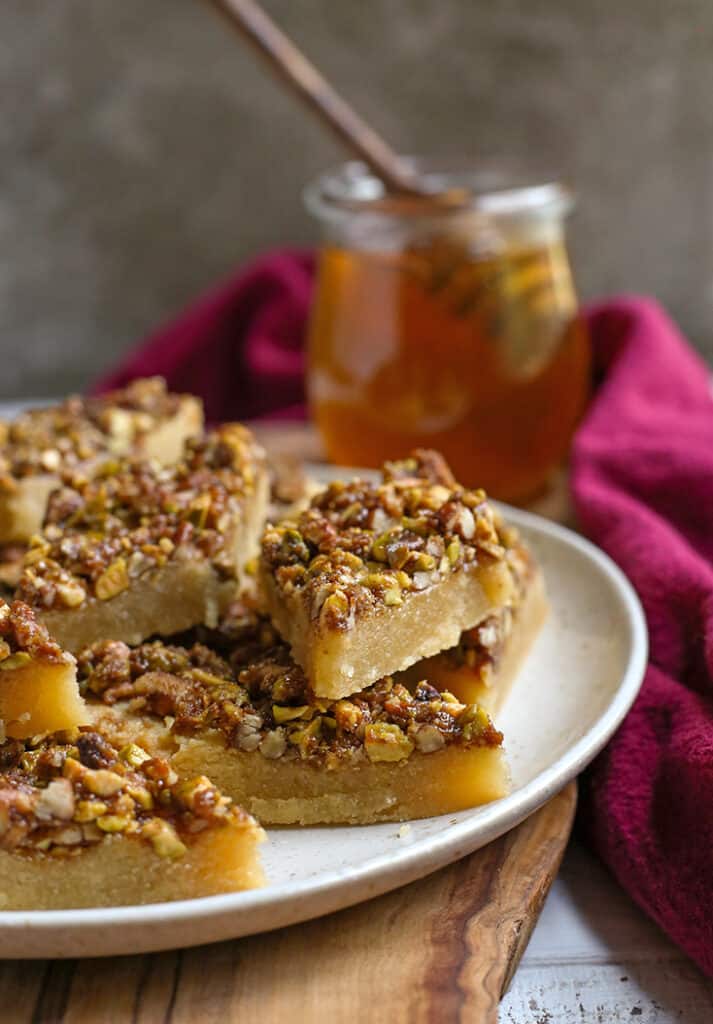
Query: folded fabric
[642,480]
[239,346]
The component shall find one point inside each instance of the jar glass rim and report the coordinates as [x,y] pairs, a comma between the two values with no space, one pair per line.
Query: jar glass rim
[496,191]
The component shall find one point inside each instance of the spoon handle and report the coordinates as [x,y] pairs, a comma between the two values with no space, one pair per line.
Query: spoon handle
[312,88]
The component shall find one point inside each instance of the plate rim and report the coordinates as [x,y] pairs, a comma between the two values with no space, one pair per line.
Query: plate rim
[390,870]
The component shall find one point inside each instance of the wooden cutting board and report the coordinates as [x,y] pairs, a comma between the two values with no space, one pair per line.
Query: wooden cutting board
[439,950]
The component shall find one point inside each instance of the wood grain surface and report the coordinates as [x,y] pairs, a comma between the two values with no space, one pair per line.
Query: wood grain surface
[439,950]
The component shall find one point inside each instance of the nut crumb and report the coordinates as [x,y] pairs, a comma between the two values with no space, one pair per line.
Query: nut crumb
[242,681]
[361,546]
[52,801]
[134,516]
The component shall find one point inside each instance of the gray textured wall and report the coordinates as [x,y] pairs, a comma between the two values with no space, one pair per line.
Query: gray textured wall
[144,152]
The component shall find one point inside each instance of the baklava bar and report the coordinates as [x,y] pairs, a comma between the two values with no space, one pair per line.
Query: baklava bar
[141,549]
[242,712]
[373,577]
[41,444]
[83,824]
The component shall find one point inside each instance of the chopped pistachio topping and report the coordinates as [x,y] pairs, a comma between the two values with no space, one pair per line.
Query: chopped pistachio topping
[360,546]
[81,430]
[134,517]
[134,755]
[23,638]
[63,792]
[243,683]
[112,581]
[164,839]
[385,741]
[16,660]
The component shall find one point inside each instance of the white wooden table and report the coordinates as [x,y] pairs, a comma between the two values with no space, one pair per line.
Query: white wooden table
[595,958]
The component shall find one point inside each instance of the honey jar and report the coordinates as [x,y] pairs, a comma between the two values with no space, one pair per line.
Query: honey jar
[448,326]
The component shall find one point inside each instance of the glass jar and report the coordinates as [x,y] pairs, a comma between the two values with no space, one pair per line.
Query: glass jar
[453,328]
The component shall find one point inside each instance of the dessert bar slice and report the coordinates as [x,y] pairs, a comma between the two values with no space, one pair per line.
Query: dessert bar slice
[373,577]
[38,680]
[139,549]
[42,443]
[84,825]
[481,668]
[247,718]
[146,420]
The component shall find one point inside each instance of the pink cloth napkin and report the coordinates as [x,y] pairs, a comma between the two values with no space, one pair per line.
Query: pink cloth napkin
[239,346]
[642,479]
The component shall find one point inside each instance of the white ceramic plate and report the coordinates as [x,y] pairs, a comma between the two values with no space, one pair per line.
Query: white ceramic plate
[577,685]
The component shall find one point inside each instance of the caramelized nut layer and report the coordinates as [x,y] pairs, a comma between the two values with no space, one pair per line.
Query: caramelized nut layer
[360,546]
[24,639]
[62,793]
[132,517]
[63,437]
[246,686]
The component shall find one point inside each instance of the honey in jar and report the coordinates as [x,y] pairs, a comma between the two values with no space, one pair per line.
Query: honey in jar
[457,330]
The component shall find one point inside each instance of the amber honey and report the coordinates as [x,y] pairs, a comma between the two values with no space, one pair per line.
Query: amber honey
[483,357]
[453,327]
